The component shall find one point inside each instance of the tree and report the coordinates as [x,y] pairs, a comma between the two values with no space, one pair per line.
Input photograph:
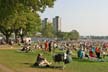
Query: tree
[65,35]
[8,7]
[5,27]
[21,14]
[48,30]
[29,22]
[74,35]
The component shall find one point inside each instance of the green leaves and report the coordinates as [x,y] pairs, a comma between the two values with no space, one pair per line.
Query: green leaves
[21,14]
[9,7]
[48,30]
[73,35]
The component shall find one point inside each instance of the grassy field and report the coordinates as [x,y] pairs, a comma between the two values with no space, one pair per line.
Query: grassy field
[23,62]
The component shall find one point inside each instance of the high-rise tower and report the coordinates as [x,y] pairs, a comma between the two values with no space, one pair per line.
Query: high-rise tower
[57,24]
[44,22]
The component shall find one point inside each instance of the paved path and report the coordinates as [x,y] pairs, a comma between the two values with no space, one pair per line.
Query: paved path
[5,69]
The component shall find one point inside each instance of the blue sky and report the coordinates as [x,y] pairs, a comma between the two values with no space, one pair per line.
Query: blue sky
[89,17]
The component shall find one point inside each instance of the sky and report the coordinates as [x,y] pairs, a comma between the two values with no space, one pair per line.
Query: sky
[88,17]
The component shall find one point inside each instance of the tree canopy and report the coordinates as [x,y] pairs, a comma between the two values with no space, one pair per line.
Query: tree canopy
[72,35]
[48,30]
[8,7]
[21,14]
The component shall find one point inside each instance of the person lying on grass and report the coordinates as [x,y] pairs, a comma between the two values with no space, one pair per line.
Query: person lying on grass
[41,61]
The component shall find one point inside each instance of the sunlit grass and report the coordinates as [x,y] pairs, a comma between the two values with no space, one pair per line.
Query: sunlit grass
[23,62]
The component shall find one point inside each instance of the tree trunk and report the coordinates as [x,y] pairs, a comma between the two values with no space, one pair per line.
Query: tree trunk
[7,34]
[7,38]
[16,36]
[22,40]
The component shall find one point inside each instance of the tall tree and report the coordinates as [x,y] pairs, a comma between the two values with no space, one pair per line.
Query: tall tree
[5,27]
[48,30]
[21,14]
[74,35]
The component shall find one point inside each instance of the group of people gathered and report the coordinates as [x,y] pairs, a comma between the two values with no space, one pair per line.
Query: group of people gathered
[95,50]
[51,46]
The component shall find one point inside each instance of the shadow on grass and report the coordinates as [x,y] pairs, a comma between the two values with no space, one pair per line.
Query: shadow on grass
[27,63]
[46,66]
[51,66]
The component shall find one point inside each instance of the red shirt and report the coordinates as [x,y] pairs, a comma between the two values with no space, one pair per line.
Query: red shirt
[46,44]
[97,50]
[91,54]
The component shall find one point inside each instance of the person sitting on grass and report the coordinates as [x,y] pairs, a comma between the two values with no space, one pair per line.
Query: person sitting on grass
[80,53]
[92,56]
[26,48]
[41,61]
[68,56]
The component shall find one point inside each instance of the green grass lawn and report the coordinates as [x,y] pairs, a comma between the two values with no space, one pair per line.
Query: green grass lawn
[23,62]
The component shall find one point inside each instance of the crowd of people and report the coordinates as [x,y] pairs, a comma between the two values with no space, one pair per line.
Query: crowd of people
[92,50]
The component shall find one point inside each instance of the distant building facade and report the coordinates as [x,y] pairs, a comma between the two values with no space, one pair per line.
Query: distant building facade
[44,22]
[57,24]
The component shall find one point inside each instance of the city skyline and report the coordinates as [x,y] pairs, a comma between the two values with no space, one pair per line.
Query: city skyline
[88,17]
[56,23]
